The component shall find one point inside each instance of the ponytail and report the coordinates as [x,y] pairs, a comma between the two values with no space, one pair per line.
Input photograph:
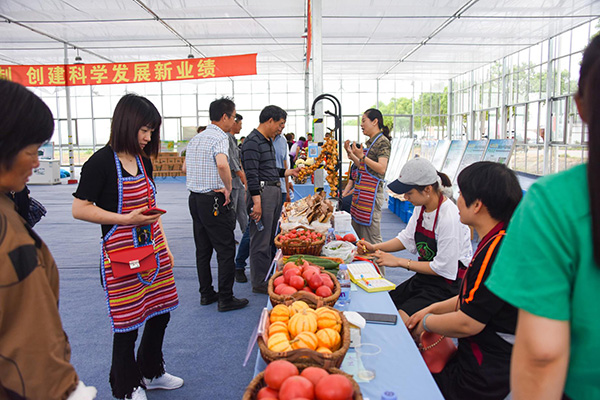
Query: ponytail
[589,95]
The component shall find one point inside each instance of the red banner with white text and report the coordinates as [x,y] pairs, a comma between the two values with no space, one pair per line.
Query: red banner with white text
[132,72]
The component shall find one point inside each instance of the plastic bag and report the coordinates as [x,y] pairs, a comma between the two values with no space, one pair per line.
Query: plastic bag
[340,249]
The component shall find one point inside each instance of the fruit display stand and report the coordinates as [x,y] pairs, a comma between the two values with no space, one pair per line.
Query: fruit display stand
[333,358]
[258,383]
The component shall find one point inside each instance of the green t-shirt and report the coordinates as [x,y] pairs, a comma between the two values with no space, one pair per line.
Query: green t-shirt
[546,267]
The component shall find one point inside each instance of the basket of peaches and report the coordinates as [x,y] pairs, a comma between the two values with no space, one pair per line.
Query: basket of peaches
[298,333]
[301,280]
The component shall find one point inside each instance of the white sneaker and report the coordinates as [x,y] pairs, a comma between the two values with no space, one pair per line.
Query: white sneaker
[138,394]
[165,381]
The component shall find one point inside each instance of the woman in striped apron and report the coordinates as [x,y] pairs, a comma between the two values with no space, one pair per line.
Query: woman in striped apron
[114,190]
[368,196]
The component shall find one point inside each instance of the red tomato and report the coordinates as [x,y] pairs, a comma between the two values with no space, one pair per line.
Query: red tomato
[323,291]
[308,273]
[314,374]
[289,265]
[307,289]
[288,290]
[280,287]
[350,238]
[293,236]
[327,281]
[295,387]
[334,387]
[338,237]
[267,393]
[278,281]
[278,371]
[293,231]
[297,282]
[289,273]
[315,281]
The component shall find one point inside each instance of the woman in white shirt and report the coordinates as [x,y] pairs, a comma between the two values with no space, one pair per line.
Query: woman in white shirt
[434,232]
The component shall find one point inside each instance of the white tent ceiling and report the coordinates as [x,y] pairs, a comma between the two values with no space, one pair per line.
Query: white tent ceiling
[407,39]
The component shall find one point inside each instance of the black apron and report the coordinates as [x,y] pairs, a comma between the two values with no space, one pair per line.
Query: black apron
[422,290]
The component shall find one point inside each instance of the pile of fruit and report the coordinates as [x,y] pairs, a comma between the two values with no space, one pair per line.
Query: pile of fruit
[285,382]
[328,156]
[305,277]
[300,327]
[330,148]
[300,236]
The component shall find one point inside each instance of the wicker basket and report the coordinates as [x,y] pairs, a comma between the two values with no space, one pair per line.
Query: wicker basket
[311,299]
[297,246]
[258,383]
[311,357]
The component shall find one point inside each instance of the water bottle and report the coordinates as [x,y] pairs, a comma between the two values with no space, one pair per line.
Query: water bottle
[344,278]
[259,224]
[388,395]
[330,235]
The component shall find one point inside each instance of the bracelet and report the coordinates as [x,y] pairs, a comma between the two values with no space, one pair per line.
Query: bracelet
[363,158]
[425,325]
[408,265]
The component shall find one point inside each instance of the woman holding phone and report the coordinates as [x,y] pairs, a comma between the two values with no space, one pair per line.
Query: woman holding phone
[116,191]
[371,164]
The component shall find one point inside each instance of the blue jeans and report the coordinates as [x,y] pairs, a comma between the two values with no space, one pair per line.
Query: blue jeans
[243,251]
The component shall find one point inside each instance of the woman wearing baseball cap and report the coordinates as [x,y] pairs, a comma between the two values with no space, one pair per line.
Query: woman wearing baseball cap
[434,232]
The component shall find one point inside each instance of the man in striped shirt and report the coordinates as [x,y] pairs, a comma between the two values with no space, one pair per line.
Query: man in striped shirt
[209,181]
[264,191]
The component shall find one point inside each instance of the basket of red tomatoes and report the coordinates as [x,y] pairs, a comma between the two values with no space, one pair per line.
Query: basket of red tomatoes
[300,240]
[284,380]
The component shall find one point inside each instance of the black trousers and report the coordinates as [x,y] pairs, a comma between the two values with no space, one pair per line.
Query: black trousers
[213,232]
[126,373]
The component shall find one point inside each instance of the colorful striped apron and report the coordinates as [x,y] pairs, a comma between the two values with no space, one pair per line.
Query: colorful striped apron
[133,299]
[365,192]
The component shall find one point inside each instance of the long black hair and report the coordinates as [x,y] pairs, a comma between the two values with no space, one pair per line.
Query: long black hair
[131,114]
[374,114]
[589,96]
[24,120]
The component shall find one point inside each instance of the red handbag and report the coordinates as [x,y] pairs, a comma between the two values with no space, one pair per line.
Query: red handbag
[436,350]
[132,261]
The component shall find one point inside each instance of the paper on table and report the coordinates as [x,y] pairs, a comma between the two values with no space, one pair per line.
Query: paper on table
[363,269]
[366,276]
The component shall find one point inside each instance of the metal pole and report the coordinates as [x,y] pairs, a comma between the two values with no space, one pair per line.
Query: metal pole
[69,128]
[549,90]
[317,39]
[450,110]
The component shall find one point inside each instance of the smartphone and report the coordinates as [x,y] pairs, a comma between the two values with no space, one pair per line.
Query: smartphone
[376,318]
[154,211]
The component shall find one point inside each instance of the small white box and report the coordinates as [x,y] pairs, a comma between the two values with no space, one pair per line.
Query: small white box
[48,173]
[342,222]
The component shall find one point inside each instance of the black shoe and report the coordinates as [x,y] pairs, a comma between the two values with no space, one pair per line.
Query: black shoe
[232,304]
[261,290]
[209,299]
[240,276]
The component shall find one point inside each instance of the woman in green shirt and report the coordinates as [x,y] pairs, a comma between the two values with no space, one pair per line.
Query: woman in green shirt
[549,268]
